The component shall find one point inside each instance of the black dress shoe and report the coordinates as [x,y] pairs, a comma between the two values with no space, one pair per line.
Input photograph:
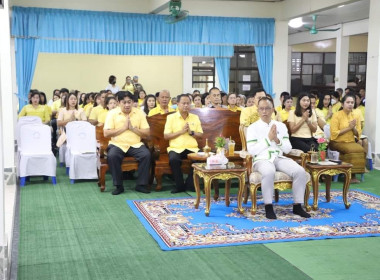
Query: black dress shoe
[118,191]
[297,209]
[178,190]
[142,189]
[269,212]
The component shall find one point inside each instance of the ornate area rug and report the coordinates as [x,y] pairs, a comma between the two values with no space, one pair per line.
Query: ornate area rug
[176,225]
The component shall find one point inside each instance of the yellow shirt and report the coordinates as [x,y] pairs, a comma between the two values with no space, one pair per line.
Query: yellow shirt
[102,116]
[304,131]
[279,108]
[175,123]
[336,107]
[96,111]
[361,108]
[158,110]
[340,121]
[88,109]
[141,102]
[116,119]
[249,115]
[282,115]
[130,88]
[56,105]
[236,109]
[65,114]
[41,111]
[323,113]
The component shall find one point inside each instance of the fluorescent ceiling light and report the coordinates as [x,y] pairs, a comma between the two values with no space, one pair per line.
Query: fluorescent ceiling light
[296,22]
[242,55]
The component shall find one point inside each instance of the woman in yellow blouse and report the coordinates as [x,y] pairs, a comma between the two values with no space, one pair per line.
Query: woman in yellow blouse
[345,125]
[287,104]
[88,103]
[324,107]
[303,123]
[231,101]
[71,112]
[36,109]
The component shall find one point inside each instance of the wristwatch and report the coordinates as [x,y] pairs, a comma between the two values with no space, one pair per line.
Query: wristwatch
[192,133]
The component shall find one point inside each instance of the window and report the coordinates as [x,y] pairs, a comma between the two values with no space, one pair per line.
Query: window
[244,73]
[317,71]
[357,68]
[203,73]
[312,71]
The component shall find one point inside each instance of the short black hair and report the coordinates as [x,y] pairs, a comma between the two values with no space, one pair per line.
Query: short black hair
[258,90]
[335,94]
[182,95]
[213,89]
[286,97]
[123,94]
[266,98]
[284,93]
[64,90]
[112,79]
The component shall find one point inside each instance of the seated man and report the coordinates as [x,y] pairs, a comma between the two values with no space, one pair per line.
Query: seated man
[163,100]
[267,140]
[126,126]
[181,129]
[215,98]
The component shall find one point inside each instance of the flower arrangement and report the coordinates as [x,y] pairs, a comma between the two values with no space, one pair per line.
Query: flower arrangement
[322,144]
[220,142]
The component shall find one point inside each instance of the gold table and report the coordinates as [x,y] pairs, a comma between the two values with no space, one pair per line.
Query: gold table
[223,172]
[317,170]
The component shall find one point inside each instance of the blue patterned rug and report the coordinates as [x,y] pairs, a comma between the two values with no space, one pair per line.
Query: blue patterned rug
[176,225]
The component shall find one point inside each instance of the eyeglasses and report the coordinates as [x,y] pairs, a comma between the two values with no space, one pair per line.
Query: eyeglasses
[262,109]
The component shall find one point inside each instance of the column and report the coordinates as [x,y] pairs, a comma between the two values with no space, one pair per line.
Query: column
[341,59]
[187,74]
[372,111]
[281,60]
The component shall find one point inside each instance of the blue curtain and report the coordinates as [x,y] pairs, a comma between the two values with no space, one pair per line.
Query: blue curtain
[120,48]
[222,66]
[26,59]
[125,27]
[264,57]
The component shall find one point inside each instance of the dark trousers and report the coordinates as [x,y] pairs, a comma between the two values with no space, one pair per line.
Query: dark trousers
[115,157]
[53,123]
[303,144]
[175,161]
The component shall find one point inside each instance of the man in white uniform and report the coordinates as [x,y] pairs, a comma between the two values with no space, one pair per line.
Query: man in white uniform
[267,140]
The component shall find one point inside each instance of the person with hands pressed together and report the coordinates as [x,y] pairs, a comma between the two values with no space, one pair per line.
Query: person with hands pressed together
[267,140]
[345,125]
[303,123]
[126,126]
[181,129]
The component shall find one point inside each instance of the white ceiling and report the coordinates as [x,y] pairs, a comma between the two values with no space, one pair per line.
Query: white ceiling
[351,12]
[327,10]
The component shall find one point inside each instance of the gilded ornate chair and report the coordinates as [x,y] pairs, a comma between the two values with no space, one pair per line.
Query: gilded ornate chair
[282,181]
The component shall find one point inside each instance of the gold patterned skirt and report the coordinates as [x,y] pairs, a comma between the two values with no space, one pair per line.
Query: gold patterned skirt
[352,153]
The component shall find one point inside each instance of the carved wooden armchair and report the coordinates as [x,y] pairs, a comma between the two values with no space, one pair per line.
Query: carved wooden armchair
[282,181]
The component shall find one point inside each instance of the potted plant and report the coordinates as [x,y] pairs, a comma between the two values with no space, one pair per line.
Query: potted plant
[322,146]
[220,143]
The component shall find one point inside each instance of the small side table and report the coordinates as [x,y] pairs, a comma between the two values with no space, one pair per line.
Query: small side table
[225,172]
[317,170]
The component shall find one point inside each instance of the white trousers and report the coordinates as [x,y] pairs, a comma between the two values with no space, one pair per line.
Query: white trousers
[267,170]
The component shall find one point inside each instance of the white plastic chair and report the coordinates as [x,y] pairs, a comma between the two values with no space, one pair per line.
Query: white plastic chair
[36,157]
[81,148]
[28,120]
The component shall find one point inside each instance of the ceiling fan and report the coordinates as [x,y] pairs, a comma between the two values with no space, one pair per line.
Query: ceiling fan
[314,30]
[176,14]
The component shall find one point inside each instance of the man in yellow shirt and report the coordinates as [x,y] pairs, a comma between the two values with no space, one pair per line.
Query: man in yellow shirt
[249,115]
[126,126]
[181,129]
[163,104]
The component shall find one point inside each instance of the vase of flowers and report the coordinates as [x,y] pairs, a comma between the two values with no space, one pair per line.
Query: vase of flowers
[220,143]
[322,146]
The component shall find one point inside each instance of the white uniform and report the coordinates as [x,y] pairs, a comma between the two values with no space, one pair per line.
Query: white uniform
[268,157]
